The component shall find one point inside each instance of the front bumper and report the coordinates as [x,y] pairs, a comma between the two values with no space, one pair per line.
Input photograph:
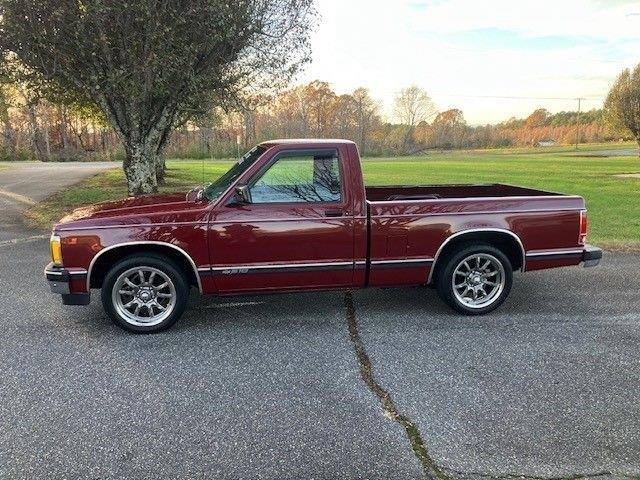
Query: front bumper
[59,279]
[591,256]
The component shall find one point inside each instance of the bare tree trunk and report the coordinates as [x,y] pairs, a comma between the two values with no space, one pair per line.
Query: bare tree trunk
[94,136]
[36,132]
[205,135]
[9,133]
[140,169]
[144,143]
[362,140]
[408,138]
[78,133]
[64,134]
[103,143]
[160,161]
[47,143]
[249,127]
[161,169]
[144,164]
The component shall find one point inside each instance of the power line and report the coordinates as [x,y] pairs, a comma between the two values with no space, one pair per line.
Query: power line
[516,97]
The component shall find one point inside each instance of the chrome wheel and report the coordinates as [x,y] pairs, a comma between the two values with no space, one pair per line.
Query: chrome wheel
[478,280]
[144,296]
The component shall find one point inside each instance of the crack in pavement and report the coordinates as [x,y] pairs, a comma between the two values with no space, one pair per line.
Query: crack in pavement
[429,466]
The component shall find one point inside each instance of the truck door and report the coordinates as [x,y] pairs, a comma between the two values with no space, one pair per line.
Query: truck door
[295,231]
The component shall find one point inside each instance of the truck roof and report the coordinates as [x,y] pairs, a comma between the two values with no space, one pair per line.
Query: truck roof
[304,141]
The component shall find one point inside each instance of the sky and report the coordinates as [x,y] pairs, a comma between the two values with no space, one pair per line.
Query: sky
[464,52]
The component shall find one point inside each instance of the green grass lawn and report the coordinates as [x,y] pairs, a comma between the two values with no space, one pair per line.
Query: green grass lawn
[613,203]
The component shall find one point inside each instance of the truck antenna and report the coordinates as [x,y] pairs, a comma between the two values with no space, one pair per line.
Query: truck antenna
[203,169]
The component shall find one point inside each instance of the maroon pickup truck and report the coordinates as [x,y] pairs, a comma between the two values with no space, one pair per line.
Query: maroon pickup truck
[295,215]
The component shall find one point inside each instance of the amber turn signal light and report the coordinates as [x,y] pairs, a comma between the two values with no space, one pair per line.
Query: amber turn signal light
[56,250]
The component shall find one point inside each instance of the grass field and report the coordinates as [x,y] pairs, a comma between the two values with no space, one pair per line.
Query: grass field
[614,203]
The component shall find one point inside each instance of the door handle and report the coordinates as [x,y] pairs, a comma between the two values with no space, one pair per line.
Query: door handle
[333,213]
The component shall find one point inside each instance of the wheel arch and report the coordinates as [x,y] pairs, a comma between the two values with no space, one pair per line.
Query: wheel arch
[108,255]
[505,240]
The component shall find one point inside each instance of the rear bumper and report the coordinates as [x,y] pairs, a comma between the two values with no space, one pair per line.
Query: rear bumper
[591,256]
[59,280]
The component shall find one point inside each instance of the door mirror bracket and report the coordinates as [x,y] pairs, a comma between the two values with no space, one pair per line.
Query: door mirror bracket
[241,196]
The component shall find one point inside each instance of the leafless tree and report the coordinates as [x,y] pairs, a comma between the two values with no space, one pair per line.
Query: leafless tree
[413,105]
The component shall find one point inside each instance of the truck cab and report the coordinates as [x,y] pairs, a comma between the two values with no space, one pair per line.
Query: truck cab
[295,220]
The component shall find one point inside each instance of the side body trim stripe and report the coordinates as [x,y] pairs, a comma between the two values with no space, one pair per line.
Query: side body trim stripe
[275,268]
[313,266]
[403,263]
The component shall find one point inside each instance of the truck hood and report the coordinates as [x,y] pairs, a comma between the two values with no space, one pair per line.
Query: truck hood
[134,210]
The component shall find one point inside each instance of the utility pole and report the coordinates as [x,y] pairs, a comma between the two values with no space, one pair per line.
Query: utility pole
[578,122]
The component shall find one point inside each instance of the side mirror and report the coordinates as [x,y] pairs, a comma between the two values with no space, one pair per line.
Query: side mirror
[241,196]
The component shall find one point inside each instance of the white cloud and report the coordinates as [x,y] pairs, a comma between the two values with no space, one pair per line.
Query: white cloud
[609,20]
[386,45]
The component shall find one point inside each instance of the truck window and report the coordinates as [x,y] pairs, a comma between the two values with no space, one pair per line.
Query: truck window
[299,177]
[215,189]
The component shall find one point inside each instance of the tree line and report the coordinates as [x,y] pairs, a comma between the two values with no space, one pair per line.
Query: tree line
[37,128]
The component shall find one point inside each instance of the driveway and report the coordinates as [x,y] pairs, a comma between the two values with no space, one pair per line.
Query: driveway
[270,387]
[26,182]
[615,152]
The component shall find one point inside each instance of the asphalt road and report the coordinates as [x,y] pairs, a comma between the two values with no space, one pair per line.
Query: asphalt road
[26,182]
[270,387]
[615,152]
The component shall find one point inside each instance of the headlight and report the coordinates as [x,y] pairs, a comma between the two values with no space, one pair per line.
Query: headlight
[56,250]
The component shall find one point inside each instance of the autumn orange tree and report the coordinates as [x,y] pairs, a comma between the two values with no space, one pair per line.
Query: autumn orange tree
[449,129]
[539,118]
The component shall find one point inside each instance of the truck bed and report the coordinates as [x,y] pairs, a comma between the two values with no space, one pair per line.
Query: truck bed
[408,225]
[430,192]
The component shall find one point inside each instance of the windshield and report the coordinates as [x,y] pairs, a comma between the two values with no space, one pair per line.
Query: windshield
[215,189]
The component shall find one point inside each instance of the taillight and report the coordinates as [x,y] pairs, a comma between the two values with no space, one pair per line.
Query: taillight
[582,238]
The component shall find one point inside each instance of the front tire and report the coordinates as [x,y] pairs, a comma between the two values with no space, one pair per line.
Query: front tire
[475,280]
[145,293]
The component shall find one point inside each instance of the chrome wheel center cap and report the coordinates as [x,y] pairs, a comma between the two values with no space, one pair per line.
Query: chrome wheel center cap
[145,294]
[476,279]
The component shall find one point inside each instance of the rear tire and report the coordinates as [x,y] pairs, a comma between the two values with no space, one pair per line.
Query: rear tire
[145,293]
[475,279]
